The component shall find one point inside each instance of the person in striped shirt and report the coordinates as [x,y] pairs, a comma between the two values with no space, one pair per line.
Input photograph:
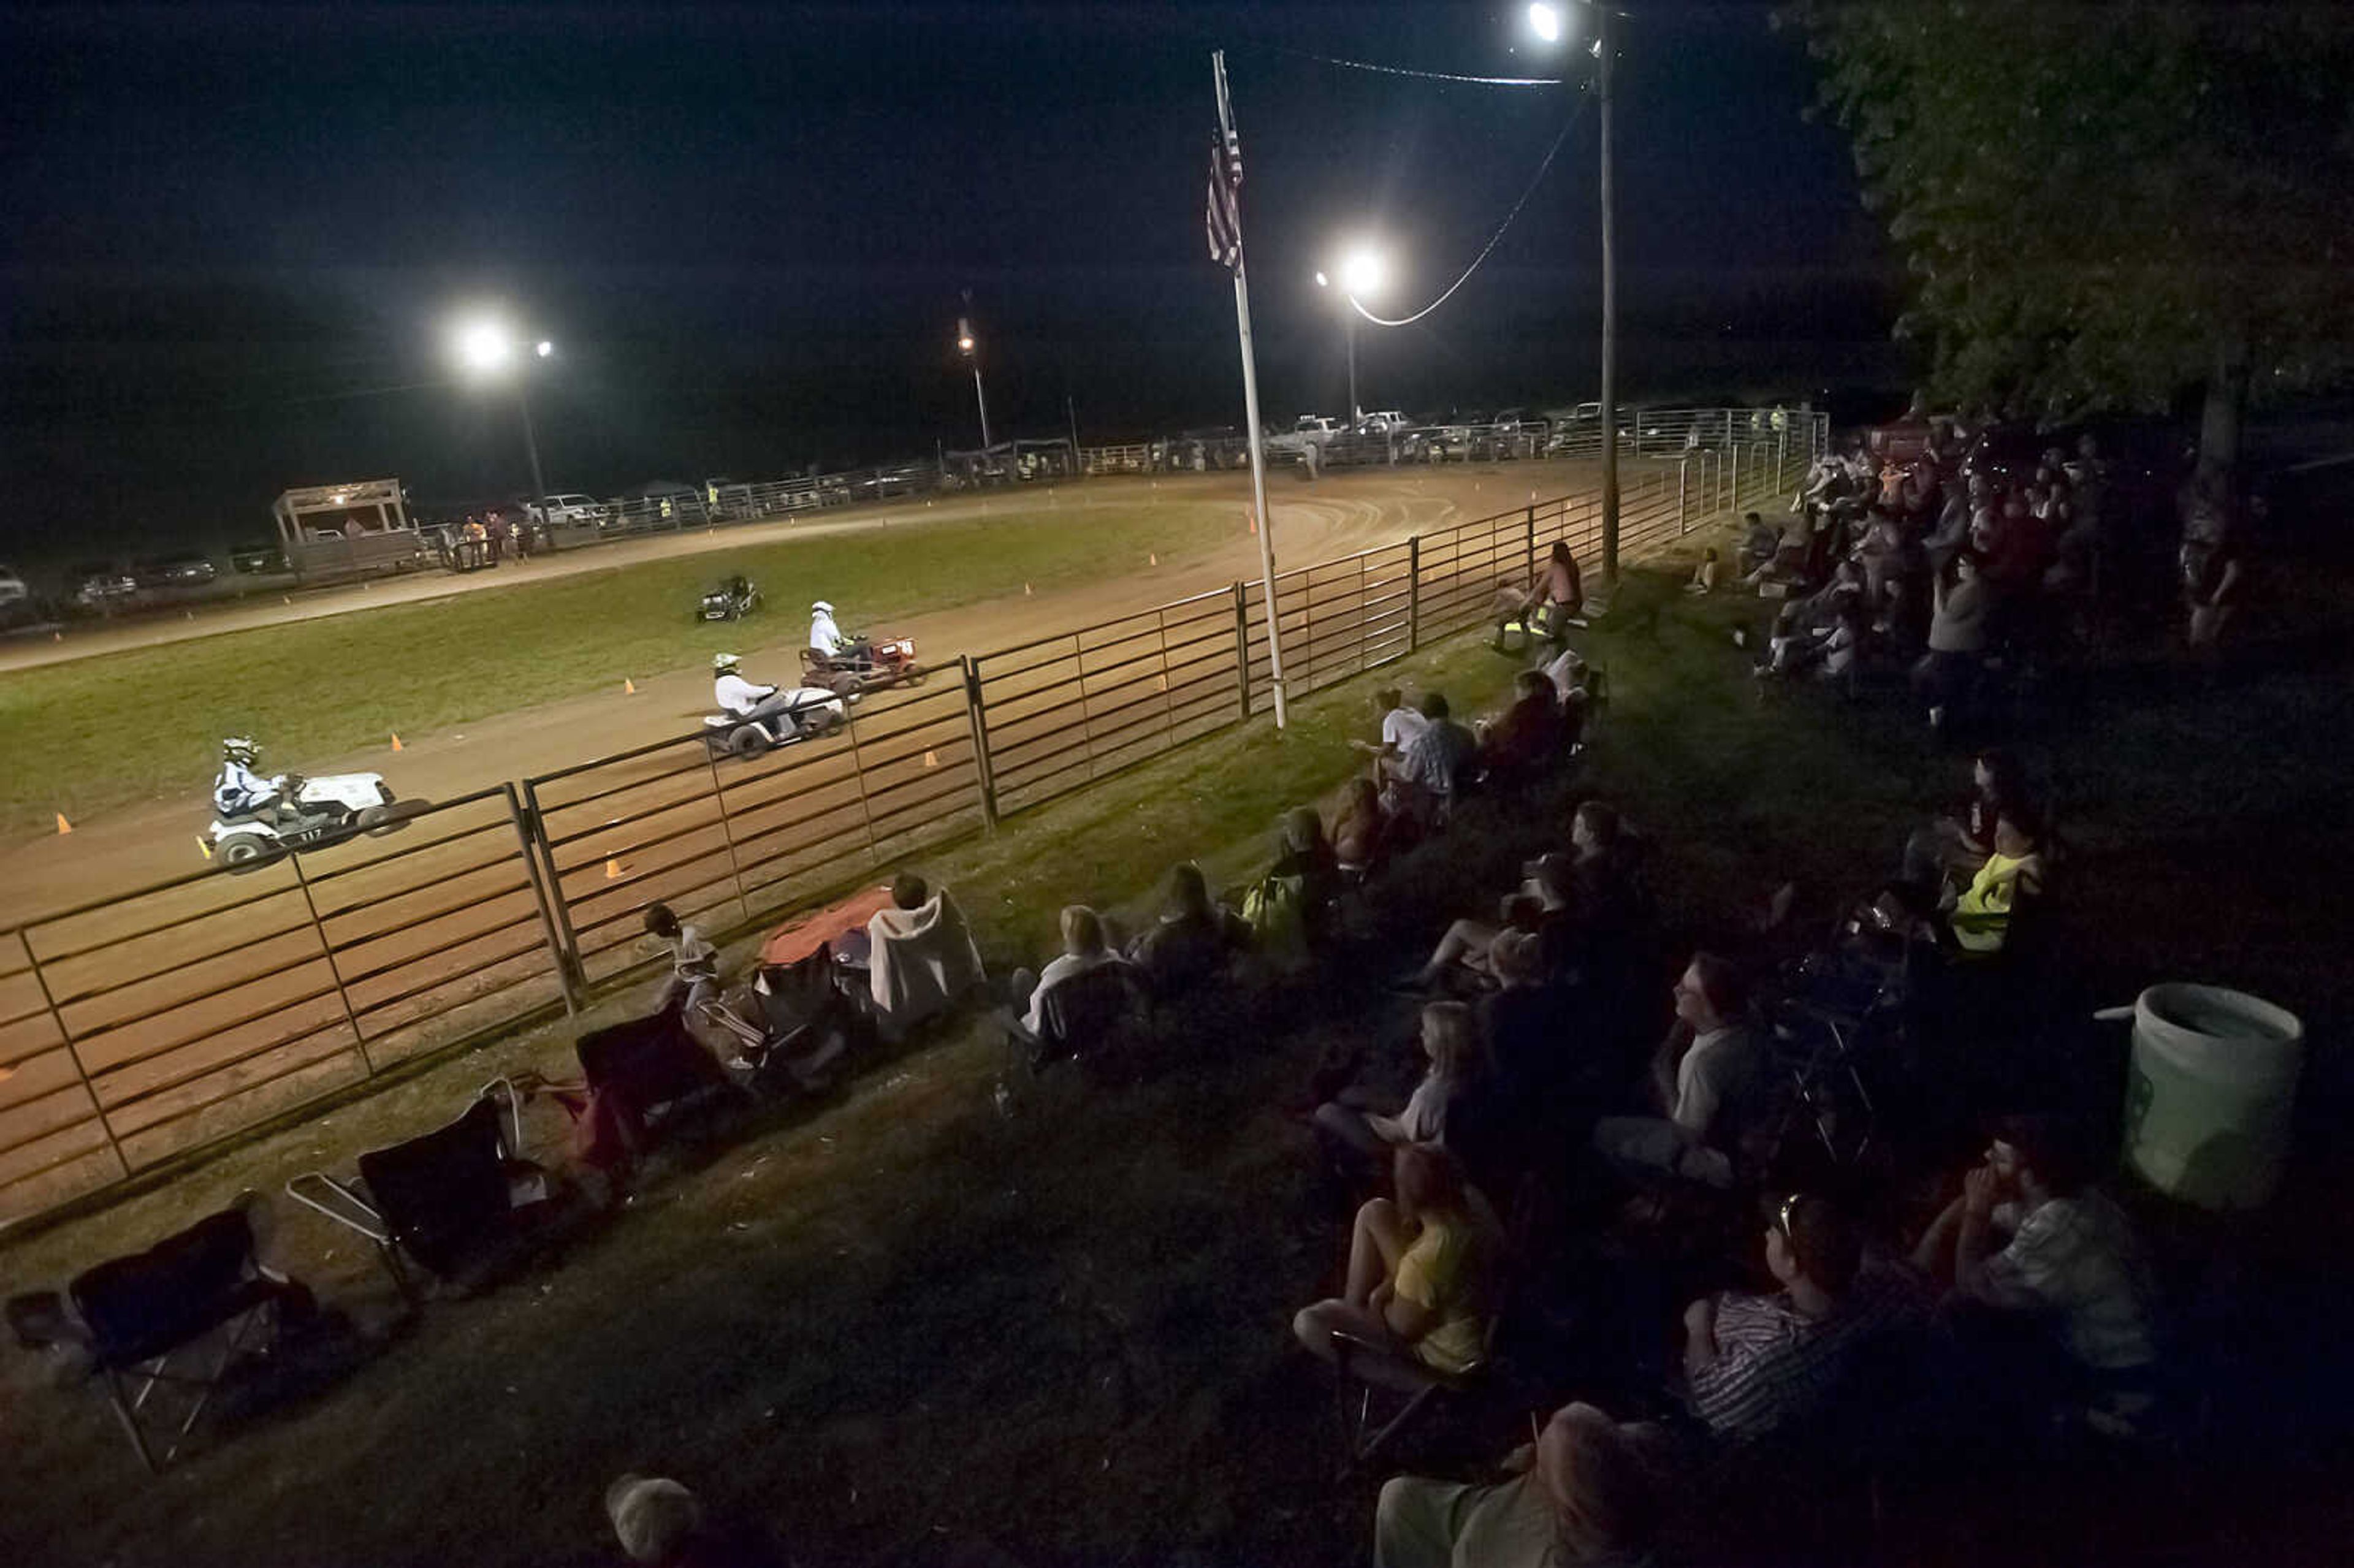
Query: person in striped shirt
[1755,1362]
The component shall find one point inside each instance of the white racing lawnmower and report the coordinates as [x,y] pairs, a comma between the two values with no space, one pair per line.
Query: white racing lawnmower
[325,810]
[811,711]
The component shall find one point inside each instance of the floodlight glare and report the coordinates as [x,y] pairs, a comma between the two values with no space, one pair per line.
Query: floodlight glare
[545,348]
[1363,273]
[485,347]
[1544,21]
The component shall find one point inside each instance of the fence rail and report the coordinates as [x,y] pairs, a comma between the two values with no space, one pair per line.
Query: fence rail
[136,1028]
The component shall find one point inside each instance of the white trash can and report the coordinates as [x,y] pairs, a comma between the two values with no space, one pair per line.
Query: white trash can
[2210,1093]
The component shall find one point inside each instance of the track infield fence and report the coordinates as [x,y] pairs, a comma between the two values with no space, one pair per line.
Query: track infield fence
[139,1029]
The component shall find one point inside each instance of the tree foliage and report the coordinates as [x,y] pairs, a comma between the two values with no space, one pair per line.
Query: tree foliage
[2102,201]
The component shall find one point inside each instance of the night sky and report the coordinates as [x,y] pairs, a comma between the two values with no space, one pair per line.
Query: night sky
[234,237]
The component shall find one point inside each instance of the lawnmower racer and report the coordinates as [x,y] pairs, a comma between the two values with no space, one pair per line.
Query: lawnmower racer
[240,791]
[827,641]
[742,699]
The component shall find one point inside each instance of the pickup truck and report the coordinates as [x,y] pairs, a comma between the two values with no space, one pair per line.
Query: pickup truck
[567,508]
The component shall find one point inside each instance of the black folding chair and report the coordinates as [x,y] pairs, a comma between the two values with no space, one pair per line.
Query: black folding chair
[655,1066]
[802,1021]
[138,1314]
[458,1202]
[1081,1018]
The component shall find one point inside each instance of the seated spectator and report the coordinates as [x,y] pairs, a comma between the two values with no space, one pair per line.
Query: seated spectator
[1433,765]
[1578,688]
[1544,893]
[922,958]
[1961,606]
[1753,1362]
[1586,1492]
[1414,1306]
[1706,576]
[1083,948]
[1362,835]
[1705,1080]
[694,978]
[1759,541]
[1400,724]
[1193,938]
[1804,626]
[2013,871]
[1957,845]
[1608,888]
[1459,1063]
[1528,736]
[2032,1240]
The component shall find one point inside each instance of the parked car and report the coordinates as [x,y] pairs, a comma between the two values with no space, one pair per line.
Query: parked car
[100,585]
[1382,421]
[12,587]
[570,507]
[256,560]
[181,568]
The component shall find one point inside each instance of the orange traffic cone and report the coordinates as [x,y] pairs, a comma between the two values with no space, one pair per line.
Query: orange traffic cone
[64,826]
[629,687]
[1025,590]
[931,759]
[612,869]
[1153,560]
[395,740]
[1254,522]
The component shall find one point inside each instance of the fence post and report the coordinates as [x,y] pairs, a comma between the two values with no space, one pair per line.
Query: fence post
[1533,543]
[727,829]
[1413,592]
[976,714]
[66,1042]
[569,956]
[334,970]
[1242,648]
[1684,510]
[565,978]
[1736,476]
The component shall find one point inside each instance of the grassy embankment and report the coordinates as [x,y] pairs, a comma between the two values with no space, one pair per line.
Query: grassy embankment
[903,1329]
[102,733]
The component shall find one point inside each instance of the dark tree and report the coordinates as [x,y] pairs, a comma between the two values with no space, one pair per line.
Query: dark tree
[2105,203]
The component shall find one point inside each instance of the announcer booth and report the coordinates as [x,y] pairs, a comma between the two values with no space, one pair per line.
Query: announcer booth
[335,531]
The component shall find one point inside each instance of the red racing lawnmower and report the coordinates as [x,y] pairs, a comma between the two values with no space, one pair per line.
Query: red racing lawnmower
[864,667]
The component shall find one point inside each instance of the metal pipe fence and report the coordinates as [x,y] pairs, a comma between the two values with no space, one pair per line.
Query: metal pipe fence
[136,1028]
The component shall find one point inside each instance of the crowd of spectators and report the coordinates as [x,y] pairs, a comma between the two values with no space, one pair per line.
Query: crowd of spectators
[1961,557]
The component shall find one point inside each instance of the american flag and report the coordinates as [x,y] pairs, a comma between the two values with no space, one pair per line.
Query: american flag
[1223,217]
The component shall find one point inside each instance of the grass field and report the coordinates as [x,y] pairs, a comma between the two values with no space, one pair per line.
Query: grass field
[102,733]
[906,1329]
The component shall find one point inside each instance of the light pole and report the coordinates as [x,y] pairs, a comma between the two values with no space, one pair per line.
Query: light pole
[485,348]
[972,351]
[1363,271]
[1549,22]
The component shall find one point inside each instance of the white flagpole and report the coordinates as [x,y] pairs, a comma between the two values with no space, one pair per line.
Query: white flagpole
[1250,412]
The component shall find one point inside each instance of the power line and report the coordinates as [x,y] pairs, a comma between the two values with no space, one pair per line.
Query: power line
[1417,75]
[1534,180]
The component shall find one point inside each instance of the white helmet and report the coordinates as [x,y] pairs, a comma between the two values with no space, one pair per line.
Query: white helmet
[240,748]
[723,662]
[821,608]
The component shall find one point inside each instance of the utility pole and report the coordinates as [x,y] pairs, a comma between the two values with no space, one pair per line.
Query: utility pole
[1609,315]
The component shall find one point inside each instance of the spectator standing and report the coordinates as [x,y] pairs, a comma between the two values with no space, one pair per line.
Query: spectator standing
[694,978]
[1961,606]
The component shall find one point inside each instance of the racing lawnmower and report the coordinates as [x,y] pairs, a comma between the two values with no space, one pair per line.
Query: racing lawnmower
[312,813]
[864,667]
[809,711]
[733,600]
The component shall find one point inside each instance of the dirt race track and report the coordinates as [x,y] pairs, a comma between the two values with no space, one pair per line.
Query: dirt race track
[199,1009]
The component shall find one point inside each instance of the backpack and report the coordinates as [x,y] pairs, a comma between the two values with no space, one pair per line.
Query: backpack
[1275,909]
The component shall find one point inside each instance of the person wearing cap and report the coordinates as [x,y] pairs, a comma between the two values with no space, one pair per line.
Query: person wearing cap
[1585,1491]
[749,702]
[1753,1363]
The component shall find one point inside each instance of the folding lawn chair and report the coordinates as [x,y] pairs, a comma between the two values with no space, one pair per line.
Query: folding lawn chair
[138,1314]
[1081,1018]
[458,1202]
[797,1022]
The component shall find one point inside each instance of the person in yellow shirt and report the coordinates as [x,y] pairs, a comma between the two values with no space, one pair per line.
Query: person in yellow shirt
[1415,1306]
[1980,920]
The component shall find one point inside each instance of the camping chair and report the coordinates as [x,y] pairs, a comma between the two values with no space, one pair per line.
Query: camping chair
[801,1023]
[138,1313]
[1815,1048]
[458,1202]
[1362,1441]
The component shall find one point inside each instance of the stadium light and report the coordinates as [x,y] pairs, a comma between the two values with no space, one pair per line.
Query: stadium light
[1361,270]
[485,347]
[1550,23]
[967,345]
[545,348]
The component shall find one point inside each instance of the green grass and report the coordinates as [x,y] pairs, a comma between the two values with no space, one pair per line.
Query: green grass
[98,733]
[903,1329]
